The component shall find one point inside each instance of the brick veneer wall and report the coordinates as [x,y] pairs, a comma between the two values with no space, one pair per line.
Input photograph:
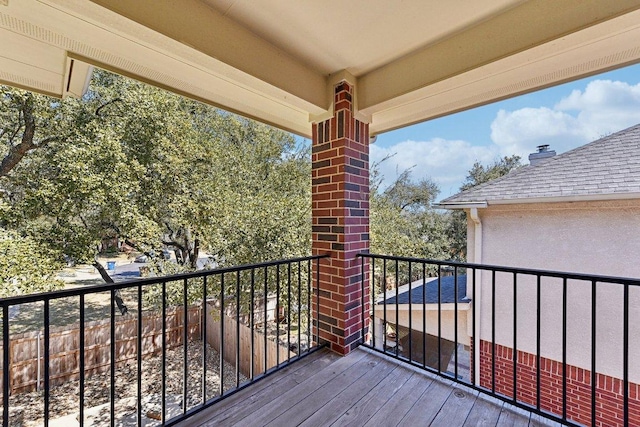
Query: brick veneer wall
[340,210]
[609,395]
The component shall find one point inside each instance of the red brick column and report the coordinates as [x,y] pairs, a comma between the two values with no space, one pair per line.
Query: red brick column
[340,208]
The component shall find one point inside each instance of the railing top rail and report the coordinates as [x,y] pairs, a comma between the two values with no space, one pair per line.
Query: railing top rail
[63,293]
[505,269]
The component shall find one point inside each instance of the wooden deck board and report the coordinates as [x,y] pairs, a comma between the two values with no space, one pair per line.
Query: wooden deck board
[286,400]
[398,405]
[427,407]
[362,411]
[237,406]
[362,389]
[328,403]
[513,417]
[485,412]
[289,377]
[456,408]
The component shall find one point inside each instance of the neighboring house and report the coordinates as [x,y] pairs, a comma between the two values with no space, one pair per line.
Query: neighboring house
[576,212]
[438,320]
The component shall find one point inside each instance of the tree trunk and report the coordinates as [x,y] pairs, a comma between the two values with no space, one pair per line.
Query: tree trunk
[17,152]
[118,297]
[194,254]
[27,143]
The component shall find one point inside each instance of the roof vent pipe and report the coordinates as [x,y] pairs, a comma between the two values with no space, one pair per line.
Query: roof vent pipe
[543,153]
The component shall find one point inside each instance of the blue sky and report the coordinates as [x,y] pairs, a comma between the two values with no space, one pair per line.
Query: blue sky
[564,116]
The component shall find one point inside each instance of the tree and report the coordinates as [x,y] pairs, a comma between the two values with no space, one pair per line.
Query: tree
[27,122]
[478,174]
[404,224]
[158,170]
[25,266]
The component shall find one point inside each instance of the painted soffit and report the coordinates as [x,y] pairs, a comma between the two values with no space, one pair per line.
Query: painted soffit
[277,61]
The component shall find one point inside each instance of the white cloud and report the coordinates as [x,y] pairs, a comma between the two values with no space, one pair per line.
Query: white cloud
[444,161]
[603,107]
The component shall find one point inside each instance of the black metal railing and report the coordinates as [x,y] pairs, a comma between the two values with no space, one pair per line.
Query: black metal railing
[554,343]
[187,341]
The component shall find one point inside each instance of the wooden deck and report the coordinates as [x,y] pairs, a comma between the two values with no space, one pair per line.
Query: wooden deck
[364,388]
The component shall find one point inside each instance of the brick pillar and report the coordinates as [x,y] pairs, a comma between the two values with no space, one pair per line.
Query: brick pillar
[340,207]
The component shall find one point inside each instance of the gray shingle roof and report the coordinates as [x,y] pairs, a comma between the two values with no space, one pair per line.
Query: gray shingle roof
[418,292]
[608,166]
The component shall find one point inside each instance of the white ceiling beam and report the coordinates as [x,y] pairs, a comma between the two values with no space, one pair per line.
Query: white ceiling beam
[613,44]
[531,24]
[198,26]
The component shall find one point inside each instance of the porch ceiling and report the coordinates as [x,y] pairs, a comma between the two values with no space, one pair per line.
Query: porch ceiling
[277,60]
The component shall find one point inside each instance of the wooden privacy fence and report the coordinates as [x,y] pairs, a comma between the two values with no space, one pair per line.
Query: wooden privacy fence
[230,338]
[26,352]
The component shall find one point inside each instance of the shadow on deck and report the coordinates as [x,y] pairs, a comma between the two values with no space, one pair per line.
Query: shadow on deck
[364,388]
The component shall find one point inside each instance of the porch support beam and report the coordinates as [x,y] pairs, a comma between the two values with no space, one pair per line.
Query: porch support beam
[340,208]
[533,23]
[243,56]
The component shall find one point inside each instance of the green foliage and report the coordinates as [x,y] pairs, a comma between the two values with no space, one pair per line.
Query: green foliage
[478,174]
[156,170]
[25,266]
[404,224]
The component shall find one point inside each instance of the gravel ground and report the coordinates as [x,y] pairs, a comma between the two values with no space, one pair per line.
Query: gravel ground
[64,398]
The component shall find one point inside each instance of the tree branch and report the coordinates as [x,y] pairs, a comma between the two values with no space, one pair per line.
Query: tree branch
[27,143]
[106,104]
[117,296]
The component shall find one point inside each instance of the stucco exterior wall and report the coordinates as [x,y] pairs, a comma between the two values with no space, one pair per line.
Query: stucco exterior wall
[585,237]
[447,320]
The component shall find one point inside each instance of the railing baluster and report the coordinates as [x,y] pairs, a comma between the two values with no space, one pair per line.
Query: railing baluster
[277,316]
[473,328]
[251,319]
[515,336]
[204,339]
[237,329]
[372,301]
[163,397]
[6,380]
[384,304]
[493,331]
[309,305]
[362,301]
[455,319]
[185,338]
[318,302]
[299,305]
[397,314]
[47,358]
[288,312]
[139,361]
[410,316]
[594,375]
[625,356]
[439,320]
[564,348]
[81,361]
[424,315]
[266,297]
[222,335]
[538,339]
[112,405]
